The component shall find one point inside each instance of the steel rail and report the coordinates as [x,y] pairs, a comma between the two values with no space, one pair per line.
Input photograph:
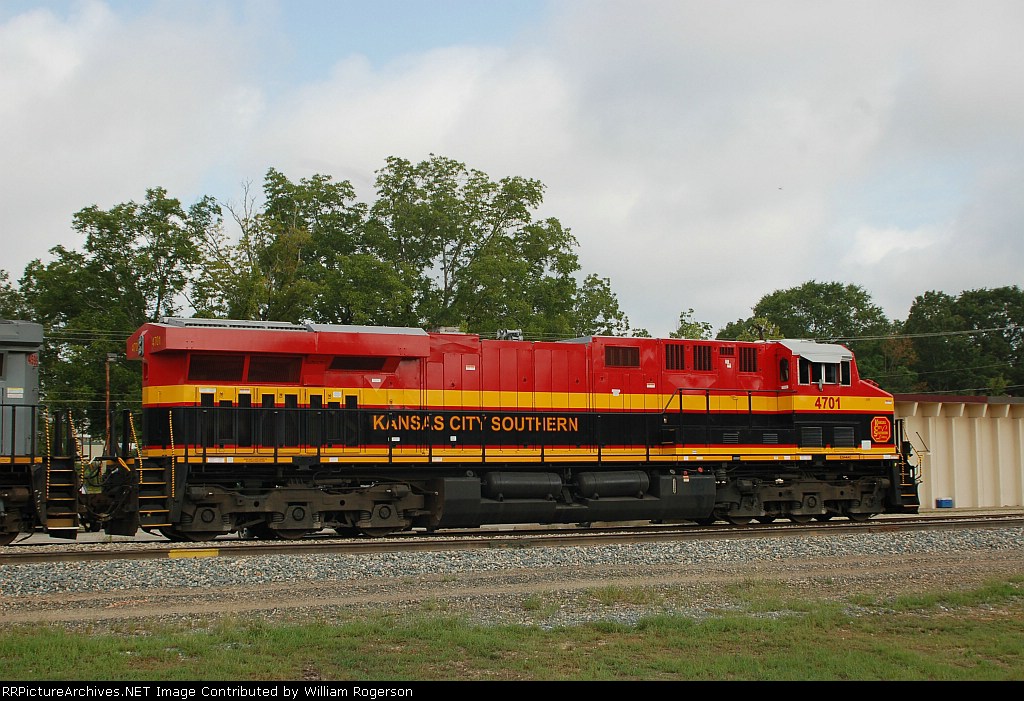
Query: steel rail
[13,555]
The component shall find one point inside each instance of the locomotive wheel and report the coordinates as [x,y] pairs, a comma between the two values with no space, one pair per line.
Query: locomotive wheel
[7,538]
[292,534]
[171,535]
[739,520]
[800,518]
[378,532]
[765,519]
[177,536]
[859,517]
[705,521]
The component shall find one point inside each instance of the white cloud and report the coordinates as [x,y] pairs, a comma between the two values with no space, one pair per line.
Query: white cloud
[870,246]
[704,154]
[100,108]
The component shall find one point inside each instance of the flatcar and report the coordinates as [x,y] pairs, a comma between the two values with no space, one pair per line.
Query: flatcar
[280,430]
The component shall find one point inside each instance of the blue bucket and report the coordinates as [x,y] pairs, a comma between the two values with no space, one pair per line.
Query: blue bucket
[945,503]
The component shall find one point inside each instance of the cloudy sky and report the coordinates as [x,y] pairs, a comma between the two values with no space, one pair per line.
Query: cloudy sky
[704,153]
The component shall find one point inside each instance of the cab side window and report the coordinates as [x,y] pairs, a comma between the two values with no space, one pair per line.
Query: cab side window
[825,373]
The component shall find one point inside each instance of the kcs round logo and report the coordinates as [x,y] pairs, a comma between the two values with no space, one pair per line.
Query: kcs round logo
[881,430]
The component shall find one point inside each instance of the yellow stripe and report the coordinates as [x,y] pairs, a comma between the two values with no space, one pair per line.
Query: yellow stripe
[196,552]
[420,455]
[692,400]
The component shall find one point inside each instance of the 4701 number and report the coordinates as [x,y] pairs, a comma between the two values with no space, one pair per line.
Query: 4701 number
[828,403]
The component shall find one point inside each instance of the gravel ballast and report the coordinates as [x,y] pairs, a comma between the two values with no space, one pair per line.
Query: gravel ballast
[546,586]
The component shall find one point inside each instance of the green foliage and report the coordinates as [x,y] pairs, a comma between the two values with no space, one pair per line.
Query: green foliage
[11,304]
[596,310]
[469,253]
[689,328]
[752,329]
[825,311]
[135,266]
[613,595]
[972,343]
[299,258]
[442,245]
[761,631]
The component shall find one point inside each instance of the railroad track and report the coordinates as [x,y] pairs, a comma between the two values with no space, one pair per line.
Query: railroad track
[60,551]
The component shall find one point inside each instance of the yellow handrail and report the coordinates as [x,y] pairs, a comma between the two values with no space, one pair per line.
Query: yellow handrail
[79,460]
[135,440]
[174,456]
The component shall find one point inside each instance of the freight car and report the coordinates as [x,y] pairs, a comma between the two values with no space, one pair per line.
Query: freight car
[34,488]
[280,430]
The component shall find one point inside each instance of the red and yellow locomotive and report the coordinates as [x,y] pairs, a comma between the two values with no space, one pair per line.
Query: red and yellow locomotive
[279,430]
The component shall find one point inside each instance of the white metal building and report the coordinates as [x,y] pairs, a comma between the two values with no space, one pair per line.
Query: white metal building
[971,449]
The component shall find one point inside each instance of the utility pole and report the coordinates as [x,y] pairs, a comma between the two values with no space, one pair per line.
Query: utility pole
[107,447]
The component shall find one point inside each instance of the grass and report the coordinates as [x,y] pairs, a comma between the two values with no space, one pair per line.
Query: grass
[613,595]
[759,633]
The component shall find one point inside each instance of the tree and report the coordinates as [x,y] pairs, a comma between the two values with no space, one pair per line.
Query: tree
[442,245]
[823,310]
[827,311]
[971,343]
[998,317]
[141,256]
[689,328]
[230,283]
[596,311]
[897,374]
[471,254]
[303,256]
[137,263]
[752,329]
[315,256]
[11,302]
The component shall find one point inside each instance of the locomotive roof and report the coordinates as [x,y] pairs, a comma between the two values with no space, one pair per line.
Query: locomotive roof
[353,328]
[26,333]
[818,352]
[811,350]
[231,324]
[239,336]
[289,326]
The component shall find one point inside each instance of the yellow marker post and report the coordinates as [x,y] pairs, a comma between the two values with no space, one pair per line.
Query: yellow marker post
[193,552]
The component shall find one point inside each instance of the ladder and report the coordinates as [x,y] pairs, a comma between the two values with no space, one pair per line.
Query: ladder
[155,494]
[155,482]
[60,504]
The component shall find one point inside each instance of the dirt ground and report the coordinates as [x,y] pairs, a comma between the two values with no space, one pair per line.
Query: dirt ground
[544,596]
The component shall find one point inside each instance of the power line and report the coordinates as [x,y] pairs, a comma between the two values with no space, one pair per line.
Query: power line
[961,391]
[957,369]
[932,334]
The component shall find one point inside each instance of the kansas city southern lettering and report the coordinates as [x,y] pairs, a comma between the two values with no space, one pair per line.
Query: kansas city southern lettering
[470,422]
